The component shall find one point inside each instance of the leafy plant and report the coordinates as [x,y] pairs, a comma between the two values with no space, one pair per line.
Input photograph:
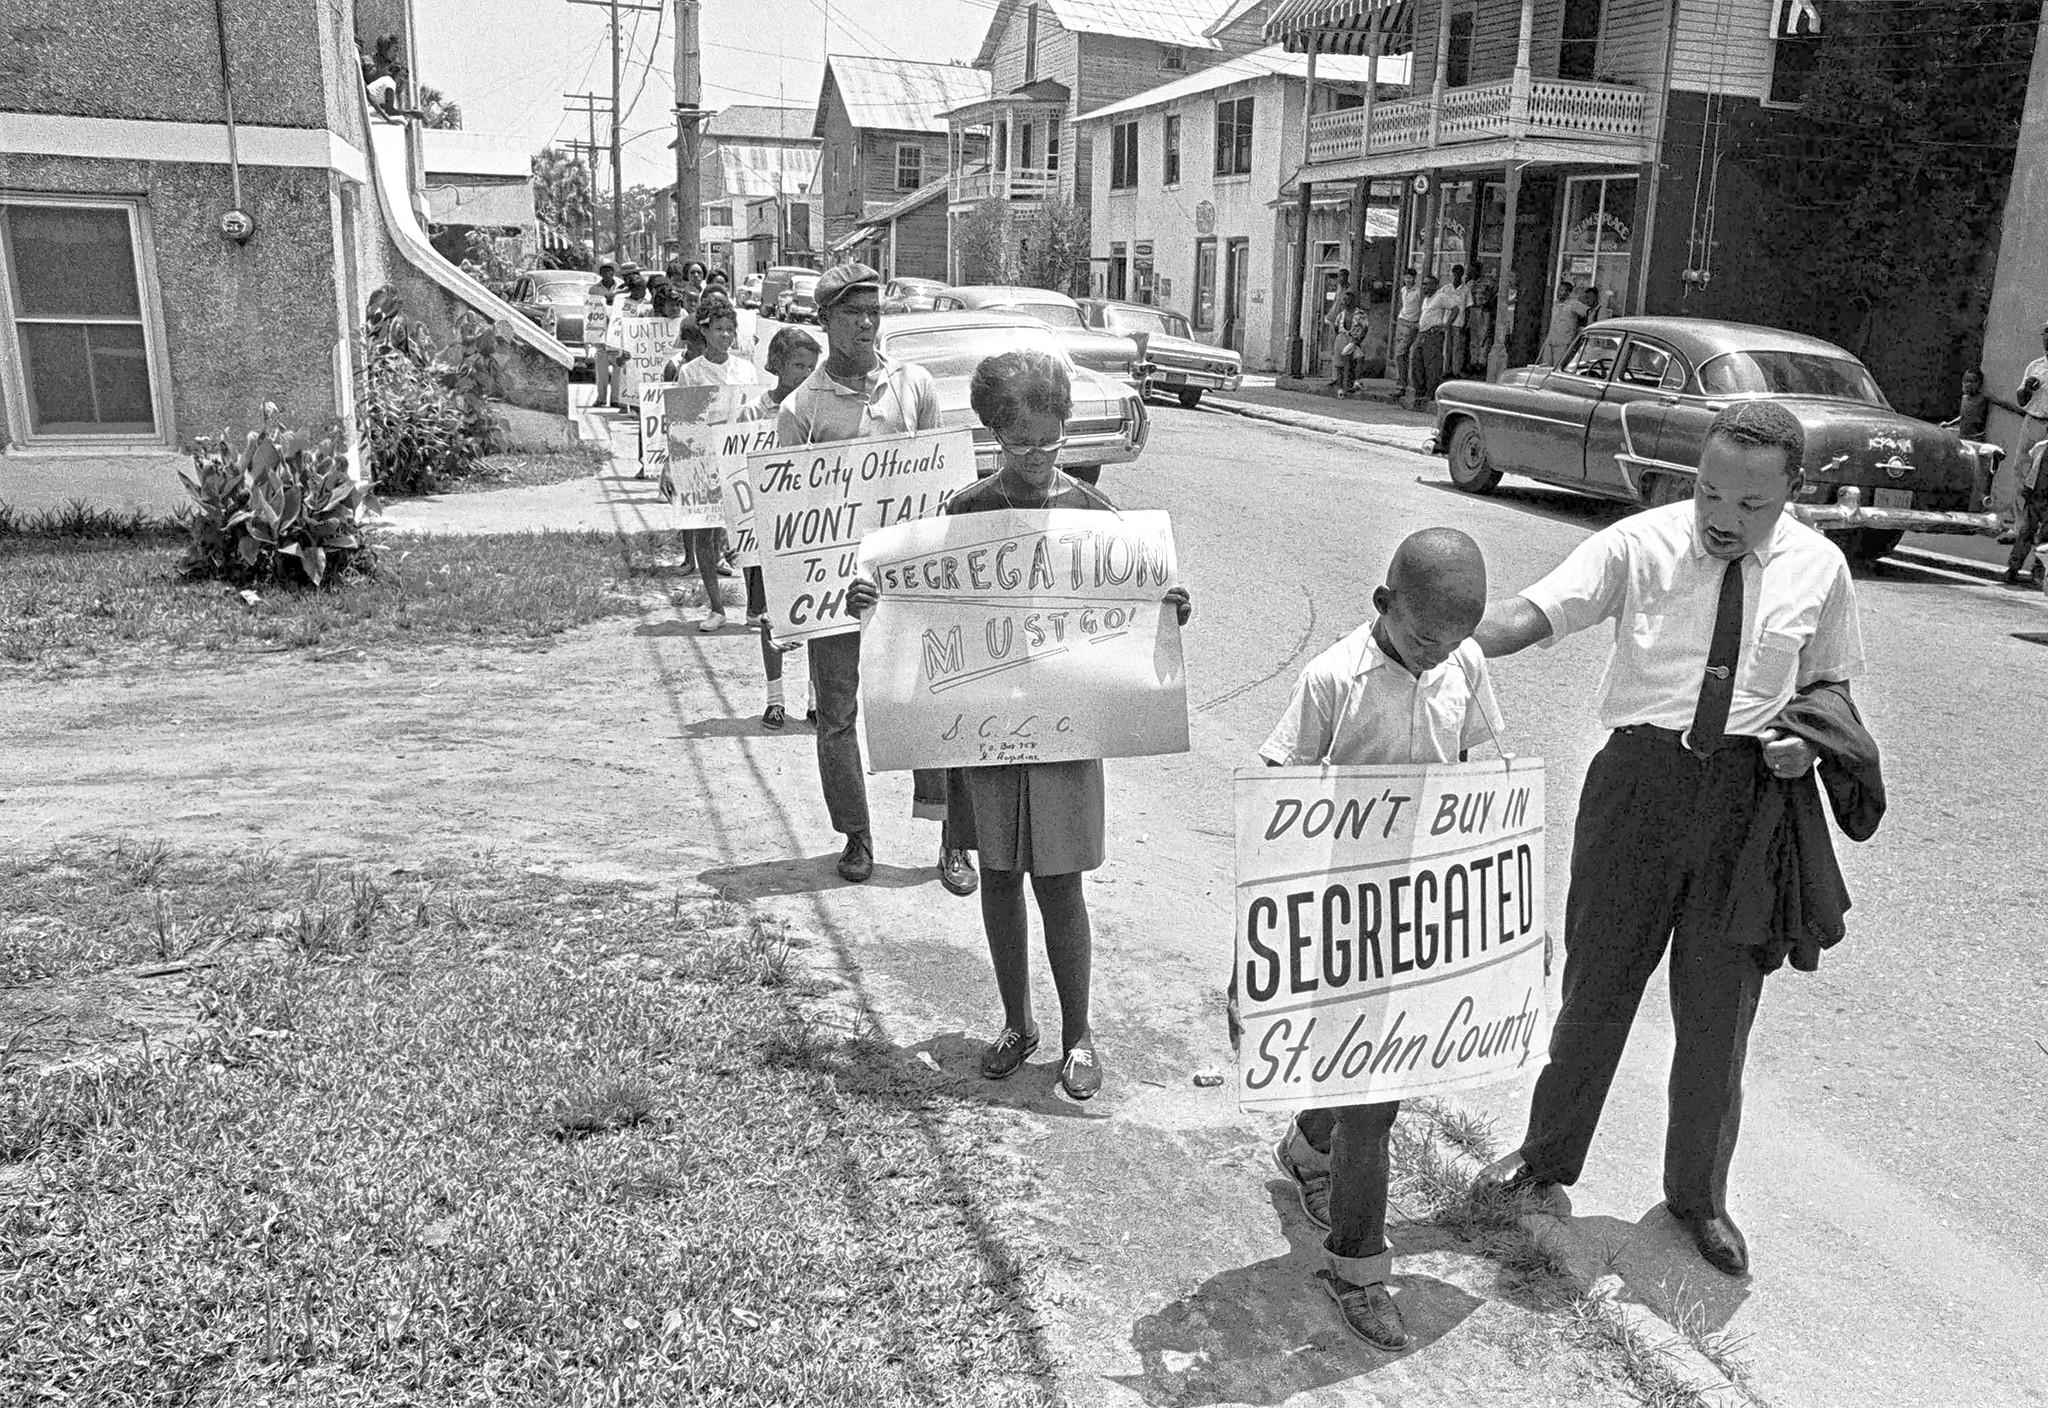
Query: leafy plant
[425,422]
[278,507]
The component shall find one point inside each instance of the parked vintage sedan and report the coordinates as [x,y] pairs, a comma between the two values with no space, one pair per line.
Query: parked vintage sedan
[554,299]
[1181,365]
[912,295]
[1108,424]
[1105,352]
[1625,415]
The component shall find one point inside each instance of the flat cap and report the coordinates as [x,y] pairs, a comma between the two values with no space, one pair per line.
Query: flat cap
[841,279]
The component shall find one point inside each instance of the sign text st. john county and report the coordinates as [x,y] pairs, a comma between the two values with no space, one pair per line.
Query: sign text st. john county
[1390,930]
[814,503]
[1022,636]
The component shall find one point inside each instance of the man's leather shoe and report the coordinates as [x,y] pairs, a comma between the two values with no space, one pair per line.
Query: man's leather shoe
[1510,1173]
[1720,1243]
[857,861]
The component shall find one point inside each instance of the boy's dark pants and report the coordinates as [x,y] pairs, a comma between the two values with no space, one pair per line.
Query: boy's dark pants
[1355,1138]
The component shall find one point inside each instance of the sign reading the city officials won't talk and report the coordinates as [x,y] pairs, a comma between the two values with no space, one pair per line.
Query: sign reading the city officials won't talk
[1022,636]
[1391,932]
[814,503]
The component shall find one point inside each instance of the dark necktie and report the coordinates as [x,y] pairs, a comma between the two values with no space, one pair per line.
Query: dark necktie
[1717,690]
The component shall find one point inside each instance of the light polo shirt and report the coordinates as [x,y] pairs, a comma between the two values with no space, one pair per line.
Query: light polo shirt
[1353,705]
[895,398]
[1441,308]
[1652,576]
[1411,304]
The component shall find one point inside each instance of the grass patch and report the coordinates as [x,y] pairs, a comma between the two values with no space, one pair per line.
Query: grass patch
[494,1138]
[68,602]
[527,470]
[77,519]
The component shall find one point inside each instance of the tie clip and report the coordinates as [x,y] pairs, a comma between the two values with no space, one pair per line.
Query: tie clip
[1720,672]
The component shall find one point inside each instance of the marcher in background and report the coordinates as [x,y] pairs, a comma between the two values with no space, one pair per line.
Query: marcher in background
[719,368]
[1734,626]
[856,394]
[631,302]
[1407,321]
[1408,686]
[792,357]
[1439,310]
[604,372]
[693,281]
[1044,820]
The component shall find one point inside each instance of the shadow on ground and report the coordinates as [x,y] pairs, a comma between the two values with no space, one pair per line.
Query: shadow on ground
[805,875]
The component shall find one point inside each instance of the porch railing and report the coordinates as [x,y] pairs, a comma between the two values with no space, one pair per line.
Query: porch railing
[1554,108]
[1017,183]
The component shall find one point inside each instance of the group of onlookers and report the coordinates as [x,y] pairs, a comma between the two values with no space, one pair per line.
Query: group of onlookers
[1441,329]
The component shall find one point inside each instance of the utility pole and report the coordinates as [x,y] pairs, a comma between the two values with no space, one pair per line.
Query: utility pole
[690,117]
[618,184]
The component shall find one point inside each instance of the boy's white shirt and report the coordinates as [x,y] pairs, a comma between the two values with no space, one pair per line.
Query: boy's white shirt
[1354,706]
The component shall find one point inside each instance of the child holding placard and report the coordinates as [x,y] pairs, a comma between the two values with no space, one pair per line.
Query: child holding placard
[719,322]
[792,357]
[1408,686]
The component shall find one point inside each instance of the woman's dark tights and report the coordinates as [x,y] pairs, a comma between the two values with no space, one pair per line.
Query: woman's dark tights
[1064,911]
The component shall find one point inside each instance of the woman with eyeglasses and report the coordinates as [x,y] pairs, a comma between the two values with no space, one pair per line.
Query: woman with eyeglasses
[1038,819]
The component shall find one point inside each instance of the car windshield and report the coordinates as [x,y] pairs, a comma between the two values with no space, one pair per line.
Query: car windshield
[1127,320]
[1789,374]
[1053,315]
[562,285]
[958,351]
[805,283]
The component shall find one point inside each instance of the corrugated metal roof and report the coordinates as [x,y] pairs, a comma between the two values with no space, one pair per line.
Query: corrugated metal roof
[752,169]
[1181,22]
[744,121]
[928,192]
[1260,63]
[901,95]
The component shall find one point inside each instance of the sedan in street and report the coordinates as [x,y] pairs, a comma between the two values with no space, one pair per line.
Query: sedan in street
[1625,415]
[912,295]
[554,299]
[1108,424]
[1107,353]
[1181,365]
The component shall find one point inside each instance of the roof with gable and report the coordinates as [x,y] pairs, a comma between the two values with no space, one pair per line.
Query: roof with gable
[1272,61]
[897,95]
[753,122]
[1181,22]
[765,169]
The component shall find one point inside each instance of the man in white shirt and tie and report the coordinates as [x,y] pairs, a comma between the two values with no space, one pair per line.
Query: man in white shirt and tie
[1723,609]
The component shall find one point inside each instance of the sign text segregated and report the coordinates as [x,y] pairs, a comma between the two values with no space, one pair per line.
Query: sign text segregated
[1391,931]
[1022,636]
[814,503]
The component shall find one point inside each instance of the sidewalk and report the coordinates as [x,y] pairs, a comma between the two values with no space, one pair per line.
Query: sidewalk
[1373,418]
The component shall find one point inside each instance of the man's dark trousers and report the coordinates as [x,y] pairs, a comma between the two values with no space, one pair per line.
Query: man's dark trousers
[1653,853]
[1428,361]
[835,694]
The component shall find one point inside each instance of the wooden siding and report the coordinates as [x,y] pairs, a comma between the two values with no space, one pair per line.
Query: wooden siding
[920,250]
[875,177]
[1632,49]
[1722,47]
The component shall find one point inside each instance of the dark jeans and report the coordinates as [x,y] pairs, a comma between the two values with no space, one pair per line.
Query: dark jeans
[757,605]
[1427,362]
[1355,1136]
[835,694]
[1653,856]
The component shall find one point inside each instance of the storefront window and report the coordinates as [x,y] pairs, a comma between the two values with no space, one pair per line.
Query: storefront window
[1599,239]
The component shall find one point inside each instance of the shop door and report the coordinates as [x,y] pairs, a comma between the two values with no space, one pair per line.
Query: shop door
[1237,268]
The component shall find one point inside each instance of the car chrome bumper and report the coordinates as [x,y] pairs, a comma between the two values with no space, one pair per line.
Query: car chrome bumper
[1908,520]
[1178,377]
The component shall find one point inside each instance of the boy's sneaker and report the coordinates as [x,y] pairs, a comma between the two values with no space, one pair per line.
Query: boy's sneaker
[1369,1312]
[1311,1186]
[714,622]
[1001,1057]
[754,623]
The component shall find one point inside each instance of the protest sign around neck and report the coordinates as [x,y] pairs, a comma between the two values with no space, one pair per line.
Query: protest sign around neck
[1022,636]
[737,486]
[597,311]
[653,402]
[1392,939]
[704,439]
[814,503]
[647,344]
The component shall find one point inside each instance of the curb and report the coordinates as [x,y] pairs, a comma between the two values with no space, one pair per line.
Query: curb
[1411,439]
[1691,1372]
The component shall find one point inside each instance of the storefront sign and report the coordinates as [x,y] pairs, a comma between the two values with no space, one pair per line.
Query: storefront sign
[1391,931]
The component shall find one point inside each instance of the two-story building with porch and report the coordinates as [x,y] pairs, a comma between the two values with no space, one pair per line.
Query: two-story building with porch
[883,134]
[1050,61]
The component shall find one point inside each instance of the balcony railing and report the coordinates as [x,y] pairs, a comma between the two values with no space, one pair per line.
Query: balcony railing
[1556,108]
[1018,183]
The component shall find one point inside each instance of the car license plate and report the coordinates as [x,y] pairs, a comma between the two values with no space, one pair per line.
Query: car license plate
[1894,498]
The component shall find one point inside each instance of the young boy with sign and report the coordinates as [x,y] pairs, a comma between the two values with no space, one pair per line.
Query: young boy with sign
[718,368]
[1408,686]
[792,357]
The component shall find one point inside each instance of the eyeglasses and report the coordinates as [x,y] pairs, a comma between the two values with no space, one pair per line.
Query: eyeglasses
[1025,452]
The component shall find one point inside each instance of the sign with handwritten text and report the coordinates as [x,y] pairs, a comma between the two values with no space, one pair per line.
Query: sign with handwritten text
[737,489]
[814,503]
[653,401]
[1022,636]
[1391,933]
[646,345]
[706,441]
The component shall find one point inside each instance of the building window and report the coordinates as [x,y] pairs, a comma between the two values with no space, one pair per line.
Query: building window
[1118,286]
[1578,46]
[1205,284]
[1173,58]
[1458,59]
[1123,156]
[720,215]
[909,166]
[1795,48]
[1234,137]
[1052,147]
[85,342]
[1170,162]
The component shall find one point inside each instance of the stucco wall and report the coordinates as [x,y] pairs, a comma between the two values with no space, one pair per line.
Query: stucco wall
[242,323]
[2019,294]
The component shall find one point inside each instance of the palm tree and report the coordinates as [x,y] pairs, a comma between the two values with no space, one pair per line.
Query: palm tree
[561,192]
[438,110]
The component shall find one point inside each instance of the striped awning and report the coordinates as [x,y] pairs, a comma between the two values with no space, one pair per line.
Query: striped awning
[1341,26]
